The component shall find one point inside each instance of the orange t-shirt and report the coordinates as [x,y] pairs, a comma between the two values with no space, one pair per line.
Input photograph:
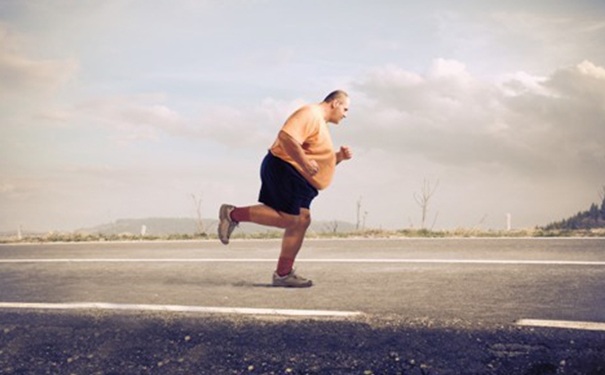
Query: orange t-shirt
[308,127]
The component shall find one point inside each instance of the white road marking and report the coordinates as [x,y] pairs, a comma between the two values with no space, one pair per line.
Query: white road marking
[177,308]
[303,260]
[590,326]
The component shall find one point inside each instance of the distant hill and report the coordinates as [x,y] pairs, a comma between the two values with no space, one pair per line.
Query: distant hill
[173,226]
[592,218]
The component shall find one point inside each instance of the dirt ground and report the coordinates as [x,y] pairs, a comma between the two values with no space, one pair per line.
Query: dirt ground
[137,343]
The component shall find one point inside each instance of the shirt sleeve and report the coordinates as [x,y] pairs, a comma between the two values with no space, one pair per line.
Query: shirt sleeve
[300,126]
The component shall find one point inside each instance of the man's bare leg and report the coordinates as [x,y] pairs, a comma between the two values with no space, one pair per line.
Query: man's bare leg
[292,241]
[265,215]
[230,216]
[295,228]
[294,235]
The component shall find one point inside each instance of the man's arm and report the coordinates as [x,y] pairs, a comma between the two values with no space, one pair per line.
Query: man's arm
[296,152]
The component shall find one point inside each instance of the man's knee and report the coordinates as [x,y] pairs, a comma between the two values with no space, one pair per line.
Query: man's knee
[301,221]
[304,219]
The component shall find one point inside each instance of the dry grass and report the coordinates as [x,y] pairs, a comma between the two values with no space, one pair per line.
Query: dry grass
[370,233]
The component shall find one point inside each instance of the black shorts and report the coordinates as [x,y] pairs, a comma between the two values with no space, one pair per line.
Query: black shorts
[283,187]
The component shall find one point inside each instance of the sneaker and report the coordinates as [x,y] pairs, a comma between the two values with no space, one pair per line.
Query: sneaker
[291,280]
[226,225]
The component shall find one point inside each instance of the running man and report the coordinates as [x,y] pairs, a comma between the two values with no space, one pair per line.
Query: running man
[300,162]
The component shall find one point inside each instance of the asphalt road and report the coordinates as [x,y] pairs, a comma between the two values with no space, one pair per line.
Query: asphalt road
[444,306]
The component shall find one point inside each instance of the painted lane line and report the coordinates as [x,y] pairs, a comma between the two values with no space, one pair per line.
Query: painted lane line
[310,260]
[590,326]
[177,308]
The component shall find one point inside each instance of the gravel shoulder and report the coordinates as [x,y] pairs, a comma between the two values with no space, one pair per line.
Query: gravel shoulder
[136,343]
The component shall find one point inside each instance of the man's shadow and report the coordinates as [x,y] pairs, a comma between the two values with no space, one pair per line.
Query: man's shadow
[247,284]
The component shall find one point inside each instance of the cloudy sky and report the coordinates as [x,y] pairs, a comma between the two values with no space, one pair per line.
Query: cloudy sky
[124,109]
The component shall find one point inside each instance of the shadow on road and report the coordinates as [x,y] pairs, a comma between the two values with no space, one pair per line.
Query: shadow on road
[137,343]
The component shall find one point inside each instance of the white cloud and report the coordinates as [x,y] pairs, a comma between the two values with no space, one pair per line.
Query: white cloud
[518,83]
[149,117]
[453,118]
[6,187]
[443,68]
[133,117]
[21,75]
[593,27]
[535,37]
[538,138]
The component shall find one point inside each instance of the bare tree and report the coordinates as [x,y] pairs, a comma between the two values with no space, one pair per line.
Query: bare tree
[199,223]
[602,196]
[424,198]
[363,220]
[331,227]
[361,217]
[480,223]
[357,224]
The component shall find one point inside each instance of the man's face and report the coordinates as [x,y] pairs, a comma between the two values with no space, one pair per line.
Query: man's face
[340,107]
